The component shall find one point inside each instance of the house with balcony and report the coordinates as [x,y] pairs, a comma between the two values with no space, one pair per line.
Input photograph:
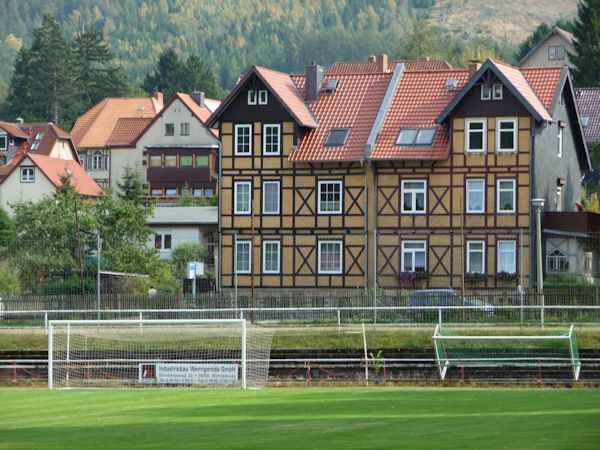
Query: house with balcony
[176,152]
[393,176]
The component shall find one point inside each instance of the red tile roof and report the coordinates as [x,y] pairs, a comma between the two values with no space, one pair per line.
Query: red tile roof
[282,86]
[543,81]
[365,67]
[127,130]
[419,98]
[201,114]
[54,169]
[13,130]
[354,104]
[50,134]
[588,102]
[94,128]
[547,85]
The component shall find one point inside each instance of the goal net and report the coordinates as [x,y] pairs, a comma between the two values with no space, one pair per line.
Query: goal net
[556,350]
[157,353]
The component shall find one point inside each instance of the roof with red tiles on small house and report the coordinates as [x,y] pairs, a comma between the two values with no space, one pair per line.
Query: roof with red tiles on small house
[282,87]
[12,129]
[353,104]
[588,102]
[418,100]
[54,169]
[127,130]
[48,134]
[94,128]
[543,81]
[16,159]
[365,67]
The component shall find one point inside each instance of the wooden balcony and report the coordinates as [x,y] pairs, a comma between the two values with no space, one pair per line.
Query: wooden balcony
[572,222]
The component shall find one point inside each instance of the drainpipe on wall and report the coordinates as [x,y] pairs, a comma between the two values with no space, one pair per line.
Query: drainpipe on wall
[219,232]
[532,194]
[375,236]
[366,214]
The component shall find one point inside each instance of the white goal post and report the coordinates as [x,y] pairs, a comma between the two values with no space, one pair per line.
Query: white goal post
[557,350]
[157,353]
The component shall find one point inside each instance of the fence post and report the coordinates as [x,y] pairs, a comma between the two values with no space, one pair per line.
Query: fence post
[440,317]
[46,321]
[339,320]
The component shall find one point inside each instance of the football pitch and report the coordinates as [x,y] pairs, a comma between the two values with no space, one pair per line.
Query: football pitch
[301,418]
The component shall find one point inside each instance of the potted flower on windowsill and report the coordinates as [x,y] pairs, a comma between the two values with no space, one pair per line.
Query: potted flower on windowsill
[475,277]
[506,276]
[412,279]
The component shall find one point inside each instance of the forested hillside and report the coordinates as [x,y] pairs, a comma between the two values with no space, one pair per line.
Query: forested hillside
[233,34]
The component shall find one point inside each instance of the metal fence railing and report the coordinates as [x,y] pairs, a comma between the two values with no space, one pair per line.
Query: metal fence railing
[332,316]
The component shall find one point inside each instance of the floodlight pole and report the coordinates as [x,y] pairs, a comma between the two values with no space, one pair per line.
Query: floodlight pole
[538,204]
[98,258]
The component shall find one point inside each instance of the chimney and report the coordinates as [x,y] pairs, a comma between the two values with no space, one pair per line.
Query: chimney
[19,121]
[314,81]
[158,96]
[424,58]
[382,63]
[371,58]
[474,66]
[198,97]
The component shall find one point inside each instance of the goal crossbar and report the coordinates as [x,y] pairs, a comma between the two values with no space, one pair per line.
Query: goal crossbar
[115,352]
[558,350]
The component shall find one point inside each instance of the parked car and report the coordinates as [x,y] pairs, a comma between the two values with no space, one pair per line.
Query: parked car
[445,297]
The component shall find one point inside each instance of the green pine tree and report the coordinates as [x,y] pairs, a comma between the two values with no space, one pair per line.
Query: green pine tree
[95,73]
[587,44]
[131,186]
[165,77]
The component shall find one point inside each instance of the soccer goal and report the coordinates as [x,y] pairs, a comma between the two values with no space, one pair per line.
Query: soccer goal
[157,353]
[557,350]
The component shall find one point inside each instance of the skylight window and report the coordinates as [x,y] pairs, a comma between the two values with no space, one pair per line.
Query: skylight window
[415,136]
[584,121]
[337,137]
[39,136]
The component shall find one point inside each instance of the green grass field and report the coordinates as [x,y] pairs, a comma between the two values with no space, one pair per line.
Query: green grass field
[331,418]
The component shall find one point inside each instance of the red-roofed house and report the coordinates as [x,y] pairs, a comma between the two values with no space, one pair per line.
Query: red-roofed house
[34,176]
[344,179]
[176,151]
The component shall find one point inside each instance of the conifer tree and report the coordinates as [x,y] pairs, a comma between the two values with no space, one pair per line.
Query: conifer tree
[587,44]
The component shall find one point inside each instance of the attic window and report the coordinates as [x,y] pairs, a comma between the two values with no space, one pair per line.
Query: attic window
[3,142]
[262,97]
[337,137]
[415,136]
[451,84]
[35,145]
[497,90]
[252,97]
[486,92]
[39,136]
[584,121]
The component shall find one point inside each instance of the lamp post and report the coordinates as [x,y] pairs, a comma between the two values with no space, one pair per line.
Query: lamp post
[538,204]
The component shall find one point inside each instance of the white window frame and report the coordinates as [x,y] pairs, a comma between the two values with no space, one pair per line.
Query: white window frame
[238,128]
[264,257]
[184,128]
[169,192]
[413,251]
[341,199]
[514,195]
[494,86]
[552,53]
[209,192]
[470,190]
[560,140]
[5,146]
[252,97]
[28,174]
[263,97]
[558,199]
[468,122]
[167,131]
[470,250]
[163,237]
[487,90]
[515,131]
[97,156]
[269,127]
[264,197]
[240,243]
[554,262]
[514,253]
[413,191]
[341,258]
[236,211]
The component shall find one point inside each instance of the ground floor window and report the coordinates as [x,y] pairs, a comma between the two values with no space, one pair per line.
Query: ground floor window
[271,256]
[162,241]
[507,256]
[242,257]
[330,257]
[557,262]
[476,257]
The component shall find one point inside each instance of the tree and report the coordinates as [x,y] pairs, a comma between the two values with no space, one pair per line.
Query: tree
[95,73]
[131,187]
[184,253]
[42,87]
[173,75]
[587,44]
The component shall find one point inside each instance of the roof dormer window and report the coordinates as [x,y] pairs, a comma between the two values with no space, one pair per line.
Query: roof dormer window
[497,90]
[415,136]
[337,137]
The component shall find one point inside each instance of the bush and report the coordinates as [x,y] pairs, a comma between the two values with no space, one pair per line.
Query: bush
[69,286]
[565,281]
[9,279]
